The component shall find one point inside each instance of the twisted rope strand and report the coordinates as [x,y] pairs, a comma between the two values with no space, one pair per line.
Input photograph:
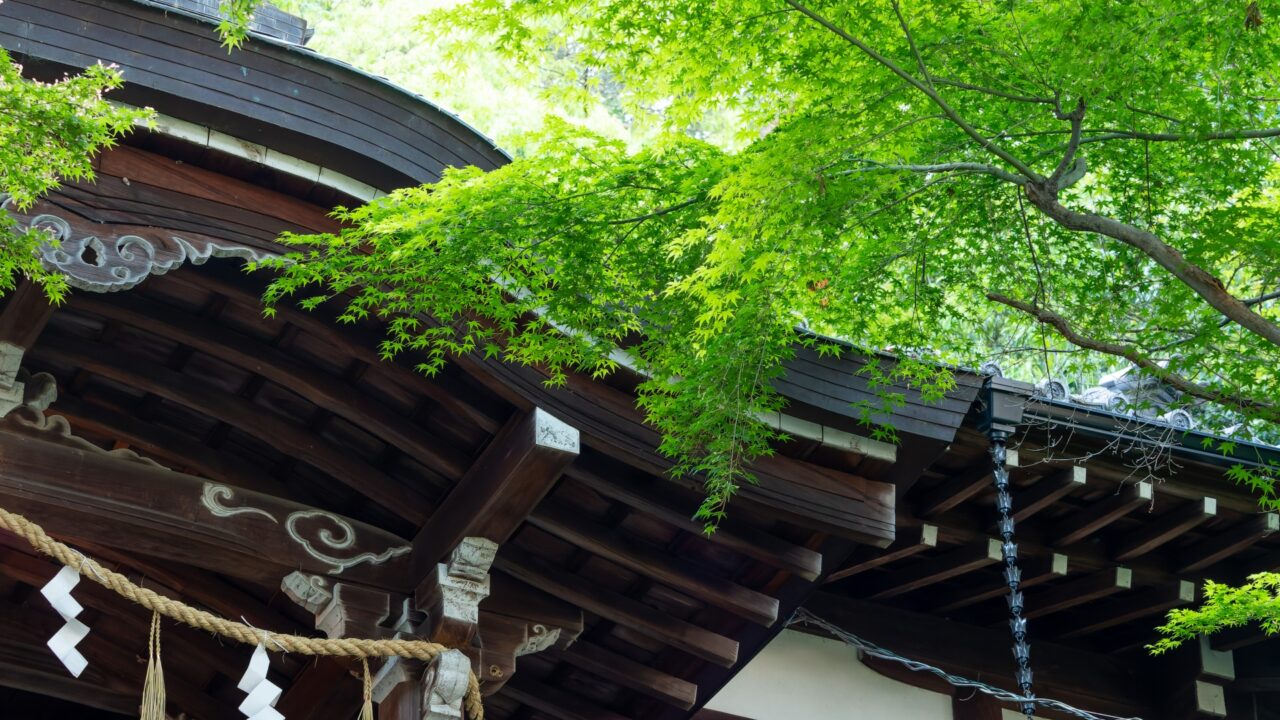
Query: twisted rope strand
[240,632]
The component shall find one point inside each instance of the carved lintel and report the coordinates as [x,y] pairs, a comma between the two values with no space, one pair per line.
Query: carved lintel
[451,597]
[107,258]
[355,611]
[310,591]
[444,685]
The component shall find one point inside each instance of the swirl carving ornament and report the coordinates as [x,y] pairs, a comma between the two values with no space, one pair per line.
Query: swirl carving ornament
[102,258]
[319,533]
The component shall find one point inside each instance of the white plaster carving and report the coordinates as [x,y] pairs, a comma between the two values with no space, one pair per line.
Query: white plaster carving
[343,542]
[112,263]
[214,494]
[310,591]
[444,685]
[212,498]
[550,431]
[540,638]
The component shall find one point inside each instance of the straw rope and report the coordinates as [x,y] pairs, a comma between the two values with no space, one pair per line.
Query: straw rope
[240,632]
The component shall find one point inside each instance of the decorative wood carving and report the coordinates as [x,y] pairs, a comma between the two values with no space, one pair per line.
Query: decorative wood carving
[109,258]
[301,525]
[312,592]
[451,598]
[444,684]
[157,512]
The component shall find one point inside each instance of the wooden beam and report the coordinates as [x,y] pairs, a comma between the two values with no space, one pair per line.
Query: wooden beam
[515,471]
[936,569]
[32,668]
[630,674]
[1219,547]
[613,606]
[356,342]
[1035,572]
[1101,514]
[1152,601]
[1046,491]
[284,433]
[961,487]
[1081,678]
[101,498]
[655,564]
[1161,530]
[169,446]
[25,314]
[1078,592]
[555,702]
[324,390]
[673,508]
[909,542]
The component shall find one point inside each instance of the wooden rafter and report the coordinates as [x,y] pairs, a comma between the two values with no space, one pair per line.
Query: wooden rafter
[732,533]
[936,569]
[910,541]
[655,564]
[623,610]
[285,433]
[1100,514]
[1035,571]
[326,391]
[1172,525]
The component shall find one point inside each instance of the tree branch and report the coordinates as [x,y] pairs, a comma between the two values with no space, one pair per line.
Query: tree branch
[1175,380]
[963,167]
[1236,134]
[1165,255]
[658,213]
[1068,158]
[992,91]
[928,91]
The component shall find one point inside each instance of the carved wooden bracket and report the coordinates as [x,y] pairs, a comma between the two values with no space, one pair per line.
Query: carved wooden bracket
[515,621]
[108,258]
[451,596]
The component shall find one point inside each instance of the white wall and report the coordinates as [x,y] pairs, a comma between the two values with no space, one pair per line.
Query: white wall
[799,676]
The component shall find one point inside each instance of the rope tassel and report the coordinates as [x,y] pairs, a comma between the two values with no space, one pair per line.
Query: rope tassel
[153,700]
[366,711]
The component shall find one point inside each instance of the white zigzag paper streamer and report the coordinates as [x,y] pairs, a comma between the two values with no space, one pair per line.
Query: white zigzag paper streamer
[260,704]
[63,643]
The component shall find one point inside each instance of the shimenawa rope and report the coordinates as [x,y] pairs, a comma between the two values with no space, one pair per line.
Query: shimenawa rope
[187,615]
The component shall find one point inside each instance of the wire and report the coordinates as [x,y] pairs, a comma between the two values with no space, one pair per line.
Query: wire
[804,617]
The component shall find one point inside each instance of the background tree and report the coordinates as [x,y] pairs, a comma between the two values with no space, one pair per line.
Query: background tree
[1100,176]
[50,133]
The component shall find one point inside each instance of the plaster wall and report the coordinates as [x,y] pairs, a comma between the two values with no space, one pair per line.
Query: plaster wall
[800,676]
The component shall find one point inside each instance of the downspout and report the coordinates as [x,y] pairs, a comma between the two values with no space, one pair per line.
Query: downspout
[1002,405]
